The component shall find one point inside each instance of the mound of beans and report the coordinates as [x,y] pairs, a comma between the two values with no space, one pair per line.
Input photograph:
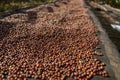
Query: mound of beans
[56,47]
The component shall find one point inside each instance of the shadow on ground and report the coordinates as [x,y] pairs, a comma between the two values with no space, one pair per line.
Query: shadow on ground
[5,28]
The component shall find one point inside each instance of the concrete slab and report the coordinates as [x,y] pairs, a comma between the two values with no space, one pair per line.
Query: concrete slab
[111,55]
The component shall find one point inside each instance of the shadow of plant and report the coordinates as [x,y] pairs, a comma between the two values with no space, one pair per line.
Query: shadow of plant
[5,28]
[32,16]
[50,9]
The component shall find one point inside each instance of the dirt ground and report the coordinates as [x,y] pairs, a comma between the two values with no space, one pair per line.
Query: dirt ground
[56,41]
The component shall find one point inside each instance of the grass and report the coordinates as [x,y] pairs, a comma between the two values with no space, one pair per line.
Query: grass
[6,6]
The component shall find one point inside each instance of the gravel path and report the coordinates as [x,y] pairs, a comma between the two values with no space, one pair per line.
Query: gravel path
[55,41]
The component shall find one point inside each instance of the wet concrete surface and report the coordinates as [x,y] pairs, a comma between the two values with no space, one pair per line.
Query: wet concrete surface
[111,54]
[107,17]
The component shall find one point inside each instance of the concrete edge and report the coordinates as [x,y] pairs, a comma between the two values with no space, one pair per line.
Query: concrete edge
[110,49]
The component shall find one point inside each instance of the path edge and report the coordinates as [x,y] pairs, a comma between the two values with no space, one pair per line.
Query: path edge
[110,49]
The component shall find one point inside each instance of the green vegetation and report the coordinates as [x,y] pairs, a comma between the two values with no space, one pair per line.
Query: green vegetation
[114,3]
[118,1]
[8,5]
